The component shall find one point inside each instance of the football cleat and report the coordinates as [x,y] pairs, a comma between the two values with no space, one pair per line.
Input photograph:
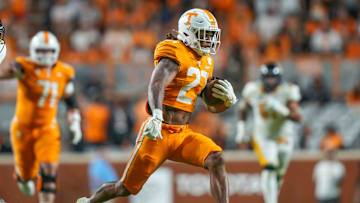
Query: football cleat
[27,187]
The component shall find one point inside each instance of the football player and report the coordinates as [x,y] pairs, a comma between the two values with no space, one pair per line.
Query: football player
[35,137]
[275,106]
[183,64]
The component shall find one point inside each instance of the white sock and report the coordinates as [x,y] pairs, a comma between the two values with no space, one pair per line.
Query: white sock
[269,186]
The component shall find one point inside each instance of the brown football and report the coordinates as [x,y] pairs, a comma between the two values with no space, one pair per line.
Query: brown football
[208,97]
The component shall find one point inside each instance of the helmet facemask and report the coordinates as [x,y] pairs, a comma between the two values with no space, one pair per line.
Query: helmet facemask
[45,57]
[207,41]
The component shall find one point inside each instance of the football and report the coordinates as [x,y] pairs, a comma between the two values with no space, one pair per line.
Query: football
[208,97]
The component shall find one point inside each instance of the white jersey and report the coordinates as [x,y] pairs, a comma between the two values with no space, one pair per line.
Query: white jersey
[269,123]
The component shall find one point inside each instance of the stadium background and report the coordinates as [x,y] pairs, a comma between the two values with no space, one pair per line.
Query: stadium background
[111,43]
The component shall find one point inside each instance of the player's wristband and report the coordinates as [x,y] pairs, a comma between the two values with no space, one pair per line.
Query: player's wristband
[158,114]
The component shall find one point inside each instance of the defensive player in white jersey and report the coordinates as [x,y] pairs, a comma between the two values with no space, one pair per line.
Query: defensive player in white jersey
[275,106]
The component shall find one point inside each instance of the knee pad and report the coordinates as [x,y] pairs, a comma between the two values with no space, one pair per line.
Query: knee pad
[47,179]
[270,168]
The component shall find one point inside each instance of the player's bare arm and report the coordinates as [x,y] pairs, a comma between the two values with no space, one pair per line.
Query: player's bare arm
[106,192]
[294,111]
[217,109]
[6,72]
[162,75]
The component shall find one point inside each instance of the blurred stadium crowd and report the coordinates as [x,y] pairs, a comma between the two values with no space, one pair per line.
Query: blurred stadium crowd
[111,43]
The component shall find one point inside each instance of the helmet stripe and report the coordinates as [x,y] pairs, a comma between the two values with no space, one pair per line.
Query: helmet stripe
[46,34]
[211,17]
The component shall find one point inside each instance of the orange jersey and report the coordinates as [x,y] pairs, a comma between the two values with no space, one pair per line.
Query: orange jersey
[191,79]
[40,91]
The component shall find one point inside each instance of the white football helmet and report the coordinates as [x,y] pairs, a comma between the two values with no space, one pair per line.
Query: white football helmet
[44,48]
[198,29]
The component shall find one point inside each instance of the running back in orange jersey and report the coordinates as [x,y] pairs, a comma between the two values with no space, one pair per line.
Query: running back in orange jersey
[191,79]
[39,91]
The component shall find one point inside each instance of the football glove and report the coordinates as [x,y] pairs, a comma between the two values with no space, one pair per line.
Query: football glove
[152,128]
[224,91]
[74,120]
[275,105]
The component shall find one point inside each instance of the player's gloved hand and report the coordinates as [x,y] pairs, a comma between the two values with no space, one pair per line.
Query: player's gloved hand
[225,92]
[2,43]
[74,120]
[277,106]
[152,128]
[83,200]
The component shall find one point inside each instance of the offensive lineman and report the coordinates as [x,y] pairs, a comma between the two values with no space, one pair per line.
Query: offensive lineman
[275,106]
[35,136]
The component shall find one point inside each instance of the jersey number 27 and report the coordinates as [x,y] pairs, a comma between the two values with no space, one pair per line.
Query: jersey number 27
[182,93]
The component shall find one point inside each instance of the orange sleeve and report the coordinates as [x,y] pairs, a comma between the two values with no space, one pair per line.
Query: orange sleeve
[167,49]
[69,71]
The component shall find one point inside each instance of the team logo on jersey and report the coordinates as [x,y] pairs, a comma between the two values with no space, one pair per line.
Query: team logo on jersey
[58,75]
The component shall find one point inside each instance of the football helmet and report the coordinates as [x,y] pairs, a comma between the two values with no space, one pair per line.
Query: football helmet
[198,29]
[270,76]
[44,48]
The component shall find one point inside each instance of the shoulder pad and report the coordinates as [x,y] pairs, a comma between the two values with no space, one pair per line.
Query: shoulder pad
[168,49]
